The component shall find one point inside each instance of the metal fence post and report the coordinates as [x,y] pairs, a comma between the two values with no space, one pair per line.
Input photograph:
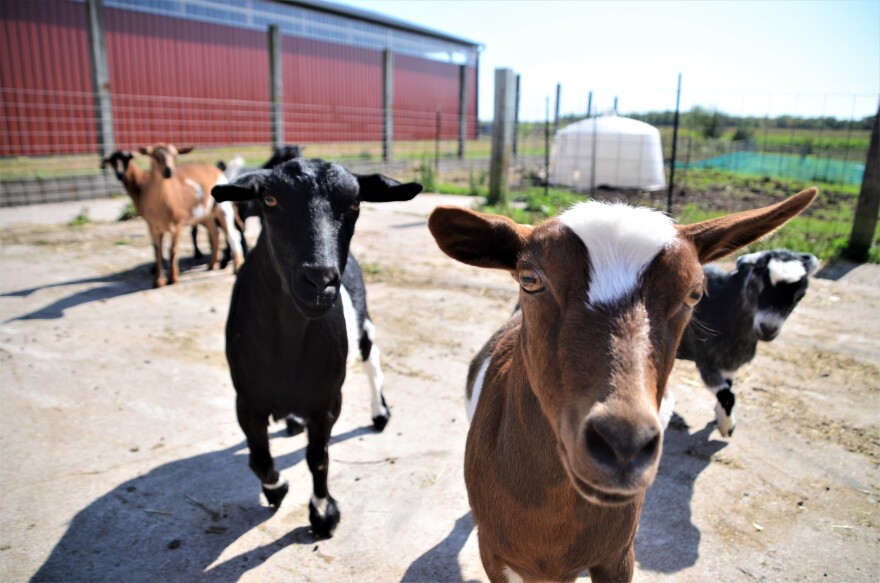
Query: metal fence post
[276,86]
[868,205]
[462,109]
[674,148]
[100,76]
[387,104]
[502,135]
[556,112]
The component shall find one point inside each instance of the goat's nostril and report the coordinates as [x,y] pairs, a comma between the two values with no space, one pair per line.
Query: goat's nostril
[598,446]
[167,173]
[321,277]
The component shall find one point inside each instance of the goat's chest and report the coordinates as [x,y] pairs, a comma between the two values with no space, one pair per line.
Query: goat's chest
[286,359]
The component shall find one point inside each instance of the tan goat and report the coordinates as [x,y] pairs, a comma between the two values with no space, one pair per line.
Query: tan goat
[170,201]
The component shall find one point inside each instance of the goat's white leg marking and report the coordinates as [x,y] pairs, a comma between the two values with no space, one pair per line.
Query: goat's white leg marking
[512,576]
[667,408]
[373,368]
[471,404]
[320,505]
[724,416]
[279,484]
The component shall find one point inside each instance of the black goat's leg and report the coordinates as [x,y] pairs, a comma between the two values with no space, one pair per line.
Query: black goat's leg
[323,512]
[720,383]
[256,430]
[197,253]
[373,368]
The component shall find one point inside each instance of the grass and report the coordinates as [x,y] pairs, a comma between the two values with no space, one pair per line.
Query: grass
[823,230]
[81,219]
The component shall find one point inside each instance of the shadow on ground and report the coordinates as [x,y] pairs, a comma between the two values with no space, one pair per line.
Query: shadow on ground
[132,280]
[174,522]
[440,563]
[668,541]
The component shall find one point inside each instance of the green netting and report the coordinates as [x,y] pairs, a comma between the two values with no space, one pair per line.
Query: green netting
[809,168]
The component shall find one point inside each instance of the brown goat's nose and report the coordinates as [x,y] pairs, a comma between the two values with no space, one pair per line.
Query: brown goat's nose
[167,173]
[619,445]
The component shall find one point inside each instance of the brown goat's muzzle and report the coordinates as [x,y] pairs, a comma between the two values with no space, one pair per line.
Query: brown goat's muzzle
[612,458]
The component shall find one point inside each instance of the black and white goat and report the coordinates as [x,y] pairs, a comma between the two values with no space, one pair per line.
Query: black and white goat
[298,314]
[740,308]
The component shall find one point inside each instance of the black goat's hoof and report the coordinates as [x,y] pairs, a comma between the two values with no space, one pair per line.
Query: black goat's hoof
[294,427]
[276,494]
[380,421]
[324,522]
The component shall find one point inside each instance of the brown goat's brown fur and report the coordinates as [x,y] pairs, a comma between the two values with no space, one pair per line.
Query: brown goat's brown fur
[548,497]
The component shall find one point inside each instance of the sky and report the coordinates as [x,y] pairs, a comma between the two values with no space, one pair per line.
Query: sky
[807,58]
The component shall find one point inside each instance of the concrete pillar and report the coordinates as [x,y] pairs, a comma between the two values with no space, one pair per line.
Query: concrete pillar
[100,76]
[502,135]
[276,86]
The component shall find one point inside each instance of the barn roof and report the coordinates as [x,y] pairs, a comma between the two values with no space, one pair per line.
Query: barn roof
[376,18]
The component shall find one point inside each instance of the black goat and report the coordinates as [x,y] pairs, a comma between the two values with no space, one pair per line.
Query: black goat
[740,308]
[298,313]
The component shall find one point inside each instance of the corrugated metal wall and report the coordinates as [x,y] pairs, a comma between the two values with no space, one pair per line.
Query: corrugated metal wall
[45,79]
[190,82]
[186,82]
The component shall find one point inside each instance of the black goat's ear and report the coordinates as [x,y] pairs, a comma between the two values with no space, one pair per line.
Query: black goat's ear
[811,263]
[245,187]
[380,188]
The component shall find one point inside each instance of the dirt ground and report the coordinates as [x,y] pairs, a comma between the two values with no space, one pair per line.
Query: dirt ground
[121,459]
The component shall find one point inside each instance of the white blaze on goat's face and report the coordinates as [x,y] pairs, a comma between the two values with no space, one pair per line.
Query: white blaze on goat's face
[786,271]
[622,241]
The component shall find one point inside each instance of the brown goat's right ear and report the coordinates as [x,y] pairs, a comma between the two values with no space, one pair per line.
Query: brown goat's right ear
[244,187]
[478,239]
[145,151]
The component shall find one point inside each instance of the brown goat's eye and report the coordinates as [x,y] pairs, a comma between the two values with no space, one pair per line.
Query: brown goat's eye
[693,298]
[356,206]
[270,200]
[531,281]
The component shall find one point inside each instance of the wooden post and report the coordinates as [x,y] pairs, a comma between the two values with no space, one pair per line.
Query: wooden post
[462,109]
[868,205]
[516,121]
[100,76]
[502,135]
[387,104]
[276,86]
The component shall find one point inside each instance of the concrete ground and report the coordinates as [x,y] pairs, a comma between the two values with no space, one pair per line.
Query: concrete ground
[121,459]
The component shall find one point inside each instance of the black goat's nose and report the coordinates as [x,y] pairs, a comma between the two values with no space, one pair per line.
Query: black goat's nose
[768,331]
[617,444]
[321,277]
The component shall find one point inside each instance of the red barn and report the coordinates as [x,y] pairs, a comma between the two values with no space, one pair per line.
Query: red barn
[197,71]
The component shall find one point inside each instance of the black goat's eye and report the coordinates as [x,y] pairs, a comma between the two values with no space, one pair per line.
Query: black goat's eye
[531,281]
[693,298]
[356,206]
[270,200]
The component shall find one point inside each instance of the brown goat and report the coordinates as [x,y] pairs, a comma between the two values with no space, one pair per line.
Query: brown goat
[566,434]
[169,201]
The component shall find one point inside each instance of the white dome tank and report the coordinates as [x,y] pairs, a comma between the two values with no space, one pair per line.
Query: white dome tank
[628,154]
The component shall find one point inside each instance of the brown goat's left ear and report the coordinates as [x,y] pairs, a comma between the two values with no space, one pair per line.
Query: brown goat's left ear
[380,188]
[716,238]
[145,151]
[185,150]
[478,239]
